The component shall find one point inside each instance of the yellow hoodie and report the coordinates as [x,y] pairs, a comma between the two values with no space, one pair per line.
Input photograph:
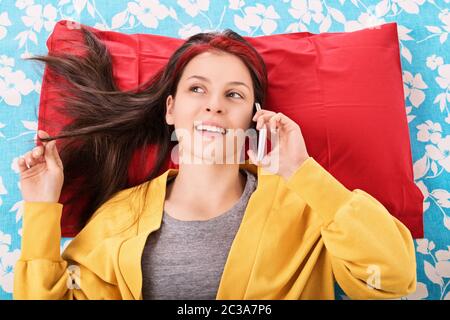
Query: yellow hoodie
[296,238]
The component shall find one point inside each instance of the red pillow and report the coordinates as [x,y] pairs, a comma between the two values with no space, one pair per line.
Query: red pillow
[344,89]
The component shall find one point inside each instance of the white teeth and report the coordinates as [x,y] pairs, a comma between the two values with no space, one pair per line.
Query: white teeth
[202,127]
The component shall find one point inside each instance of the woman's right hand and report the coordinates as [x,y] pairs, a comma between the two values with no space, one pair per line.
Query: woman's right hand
[43,180]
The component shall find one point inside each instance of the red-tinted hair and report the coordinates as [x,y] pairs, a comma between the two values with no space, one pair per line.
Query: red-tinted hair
[109,125]
[226,41]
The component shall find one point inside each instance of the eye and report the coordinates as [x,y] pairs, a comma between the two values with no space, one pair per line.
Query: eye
[195,87]
[234,92]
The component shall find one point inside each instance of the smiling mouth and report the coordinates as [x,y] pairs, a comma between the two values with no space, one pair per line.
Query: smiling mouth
[205,129]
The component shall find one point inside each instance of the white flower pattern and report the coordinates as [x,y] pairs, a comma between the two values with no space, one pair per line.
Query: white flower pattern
[307,10]
[14,84]
[8,259]
[258,17]
[413,88]
[193,7]
[37,17]
[434,61]
[148,12]
[4,23]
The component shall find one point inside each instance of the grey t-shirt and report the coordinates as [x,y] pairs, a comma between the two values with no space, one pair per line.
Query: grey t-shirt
[185,259]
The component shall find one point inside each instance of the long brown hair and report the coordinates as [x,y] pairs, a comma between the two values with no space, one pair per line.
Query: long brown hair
[108,125]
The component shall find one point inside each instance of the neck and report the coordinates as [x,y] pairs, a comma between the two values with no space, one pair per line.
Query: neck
[206,189]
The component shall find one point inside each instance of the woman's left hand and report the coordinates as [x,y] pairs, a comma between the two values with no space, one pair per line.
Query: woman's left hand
[288,146]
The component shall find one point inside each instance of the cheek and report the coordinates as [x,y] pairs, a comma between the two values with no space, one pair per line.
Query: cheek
[244,119]
[184,114]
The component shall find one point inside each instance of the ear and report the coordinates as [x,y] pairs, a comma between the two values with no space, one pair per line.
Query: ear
[169,110]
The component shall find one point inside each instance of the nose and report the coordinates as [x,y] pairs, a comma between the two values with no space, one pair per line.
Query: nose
[214,104]
[214,109]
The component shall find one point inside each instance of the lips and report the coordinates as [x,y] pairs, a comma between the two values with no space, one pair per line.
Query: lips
[209,128]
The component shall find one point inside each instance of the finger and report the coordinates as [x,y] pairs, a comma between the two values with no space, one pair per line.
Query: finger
[261,113]
[22,164]
[43,134]
[57,156]
[264,118]
[260,123]
[252,157]
[274,137]
[266,115]
[264,162]
[257,114]
[287,122]
[274,122]
[51,155]
[38,153]
[274,154]
[29,159]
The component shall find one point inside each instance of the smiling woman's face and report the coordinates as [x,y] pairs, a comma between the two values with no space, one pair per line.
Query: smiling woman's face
[215,88]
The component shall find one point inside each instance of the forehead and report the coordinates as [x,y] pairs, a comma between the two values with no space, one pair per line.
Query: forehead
[219,67]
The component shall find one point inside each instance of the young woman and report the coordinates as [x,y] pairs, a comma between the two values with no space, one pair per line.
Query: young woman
[280,228]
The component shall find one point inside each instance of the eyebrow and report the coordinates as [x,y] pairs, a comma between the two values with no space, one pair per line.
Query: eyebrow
[231,82]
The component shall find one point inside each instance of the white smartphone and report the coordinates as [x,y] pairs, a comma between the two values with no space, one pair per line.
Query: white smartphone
[262,138]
